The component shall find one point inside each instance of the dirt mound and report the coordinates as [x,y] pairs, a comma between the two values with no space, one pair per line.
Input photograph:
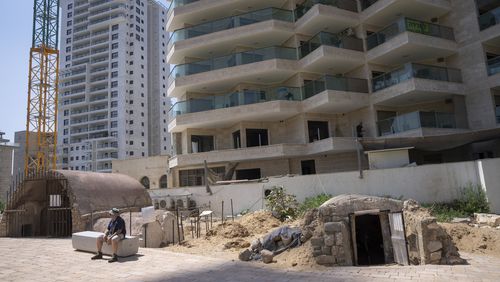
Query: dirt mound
[237,244]
[473,239]
[260,222]
[229,230]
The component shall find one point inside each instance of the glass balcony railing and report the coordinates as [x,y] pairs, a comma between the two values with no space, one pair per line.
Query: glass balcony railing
[328,82]
[240,98]
[330,39]
[410,25]
[489,19]
[349,5]
[247,97]
[232,60]
[415,120]
[177,3]
[494,66]
[412,70]
[231,22]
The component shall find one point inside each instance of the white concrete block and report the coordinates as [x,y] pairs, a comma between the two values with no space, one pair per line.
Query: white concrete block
[86,241]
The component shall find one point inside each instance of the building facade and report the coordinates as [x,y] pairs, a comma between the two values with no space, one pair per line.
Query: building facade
[286,86]
[112,95]
[7,151]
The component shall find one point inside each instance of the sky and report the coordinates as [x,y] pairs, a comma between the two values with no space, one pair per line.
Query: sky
[16,25]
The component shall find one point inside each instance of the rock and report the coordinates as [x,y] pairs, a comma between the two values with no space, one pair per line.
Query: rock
[435,257]
[317,241]
[338,239]
[331,227]
[152,234]
[325,260]
[329,240]
[434,246]
[294,264]
[326,250]
[492,220]
[246,255]
[267,256]
[460,220]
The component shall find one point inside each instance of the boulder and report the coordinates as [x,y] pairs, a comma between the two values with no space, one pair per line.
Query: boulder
[152,235]
[492,220]
[267,256]
[246,255]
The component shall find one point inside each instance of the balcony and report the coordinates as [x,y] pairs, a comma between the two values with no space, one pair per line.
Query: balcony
[418,124]
[326,95]
[494,73]
[246,29]
[104,20]
[198,12]
[489,19]
[330,53]
[335,95]
[325,146]
[272,104]
[416,83]
[267,65]
[383,12]
[313,16]
[410,40]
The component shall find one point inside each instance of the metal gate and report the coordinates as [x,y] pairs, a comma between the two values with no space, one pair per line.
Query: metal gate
[398,238]
[38,205]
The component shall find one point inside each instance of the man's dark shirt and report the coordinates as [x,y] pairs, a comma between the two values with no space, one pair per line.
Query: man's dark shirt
[117,224]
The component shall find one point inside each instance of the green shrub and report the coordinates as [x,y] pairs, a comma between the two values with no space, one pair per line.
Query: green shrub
[313,202]
[283,205]
[472,199]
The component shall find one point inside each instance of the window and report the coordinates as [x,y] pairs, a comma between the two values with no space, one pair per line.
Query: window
[114,74]
[163,182]
[308,167]
[114,46]
[114,36]
[69,23]
[200,143]
[144,181]
[114,55]
[114,84]
[68,49]
[68,32]
[236,139]
[70,6]
[253,173]
[114,27]
[257,137]
[70,14]
[318,130]
[195,177]
[114,65]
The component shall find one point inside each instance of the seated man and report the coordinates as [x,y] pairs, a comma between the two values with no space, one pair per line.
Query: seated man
[116,231]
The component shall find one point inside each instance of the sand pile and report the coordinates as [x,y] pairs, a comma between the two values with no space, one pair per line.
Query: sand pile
[473,239]
[229,230]
[260,222]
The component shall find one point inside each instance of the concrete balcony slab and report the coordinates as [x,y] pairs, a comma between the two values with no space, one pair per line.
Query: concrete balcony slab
[330,59]
[326,18]
[335,102]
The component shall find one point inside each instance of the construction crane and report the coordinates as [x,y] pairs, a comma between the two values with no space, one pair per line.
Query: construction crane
[43,87]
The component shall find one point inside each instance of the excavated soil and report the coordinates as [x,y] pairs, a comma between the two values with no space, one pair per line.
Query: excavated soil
[229,239]
[479,240]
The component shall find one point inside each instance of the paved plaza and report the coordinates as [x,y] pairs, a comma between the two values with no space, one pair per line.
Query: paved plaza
[55,260]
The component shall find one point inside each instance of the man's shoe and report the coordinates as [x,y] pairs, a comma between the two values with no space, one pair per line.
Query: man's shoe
[98,256]
[113,259]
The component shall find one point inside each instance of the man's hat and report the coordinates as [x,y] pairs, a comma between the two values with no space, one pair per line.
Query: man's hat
[114,211]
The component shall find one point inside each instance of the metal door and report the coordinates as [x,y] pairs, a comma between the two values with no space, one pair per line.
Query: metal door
[58,209]
[398,238]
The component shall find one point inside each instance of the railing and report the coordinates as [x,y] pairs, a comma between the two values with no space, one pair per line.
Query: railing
[349,5]
[232,60]
[107,18]
[494,66]
[247,97]
[489,19]
[330,39]
[177,3]
[113,7]
[328,82]
[411,70]
[244,97]
[415,120]
[410,25]
[231,22]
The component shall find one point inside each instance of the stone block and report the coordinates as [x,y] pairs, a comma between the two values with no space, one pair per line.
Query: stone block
[152,234]
[86,241]
[317,253]
[338,238]
[492,220]
[335,251]
[326,251]
[435,257]
[317,241]
[332,227]
[267,256]
[434,246]
[329,240]
[325,260]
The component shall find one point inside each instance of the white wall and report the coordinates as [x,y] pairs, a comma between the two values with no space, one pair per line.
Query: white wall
[426,184]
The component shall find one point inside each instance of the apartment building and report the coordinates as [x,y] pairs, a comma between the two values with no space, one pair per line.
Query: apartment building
[287,86]
[113,89]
